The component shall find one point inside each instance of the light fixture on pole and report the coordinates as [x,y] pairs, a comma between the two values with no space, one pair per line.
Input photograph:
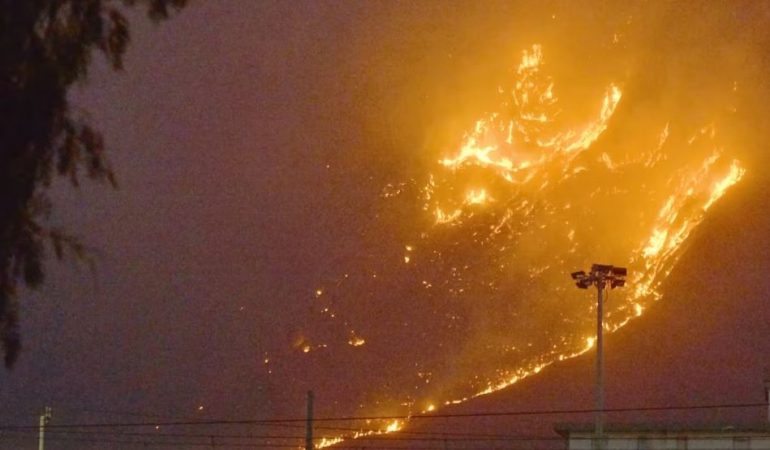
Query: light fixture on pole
[602,276]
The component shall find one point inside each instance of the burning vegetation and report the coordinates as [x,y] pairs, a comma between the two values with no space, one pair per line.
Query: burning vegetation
[474,293]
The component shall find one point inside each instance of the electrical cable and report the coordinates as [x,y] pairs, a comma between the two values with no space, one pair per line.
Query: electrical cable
[391,417]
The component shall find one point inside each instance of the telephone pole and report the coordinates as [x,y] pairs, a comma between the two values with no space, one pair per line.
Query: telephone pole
[309,435]
[44,418]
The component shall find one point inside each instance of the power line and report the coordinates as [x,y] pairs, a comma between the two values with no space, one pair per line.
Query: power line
[392,417]
[384,437]
[164,435]
[534,412]
[368,432]
[466,437]
[230,445]
[57,436]
[441,435]
[293,437]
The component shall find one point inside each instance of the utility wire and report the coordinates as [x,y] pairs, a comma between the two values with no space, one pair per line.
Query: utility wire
[431,435]
[392,417]
[232,445]
[373,437]
[368,432]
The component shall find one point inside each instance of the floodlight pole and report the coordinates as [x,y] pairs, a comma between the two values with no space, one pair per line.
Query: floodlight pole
[602,276]
[599,365]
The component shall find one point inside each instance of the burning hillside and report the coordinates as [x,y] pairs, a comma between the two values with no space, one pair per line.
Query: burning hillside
[463,287]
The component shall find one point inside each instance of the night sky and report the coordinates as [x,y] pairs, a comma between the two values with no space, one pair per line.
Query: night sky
[255,144]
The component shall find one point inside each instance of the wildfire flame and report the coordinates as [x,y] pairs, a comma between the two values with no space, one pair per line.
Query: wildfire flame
[390,427]
[524,185]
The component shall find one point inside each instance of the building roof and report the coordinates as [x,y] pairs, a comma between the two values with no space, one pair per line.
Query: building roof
[566,429]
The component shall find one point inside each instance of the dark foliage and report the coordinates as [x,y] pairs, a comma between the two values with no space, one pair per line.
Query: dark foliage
[45,47]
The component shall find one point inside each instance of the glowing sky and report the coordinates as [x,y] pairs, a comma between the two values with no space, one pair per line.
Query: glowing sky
[282,168]
[479,298]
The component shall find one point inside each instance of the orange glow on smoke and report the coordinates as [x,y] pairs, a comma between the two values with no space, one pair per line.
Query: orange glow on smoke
[527,169]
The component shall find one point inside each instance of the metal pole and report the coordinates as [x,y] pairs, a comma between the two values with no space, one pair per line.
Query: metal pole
[602,276]
[767,396]
[43,420]
[599,366]
[41,436]
[309,435]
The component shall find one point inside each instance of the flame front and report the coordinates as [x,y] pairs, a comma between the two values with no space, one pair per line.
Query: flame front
[389,427]
[528,195]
